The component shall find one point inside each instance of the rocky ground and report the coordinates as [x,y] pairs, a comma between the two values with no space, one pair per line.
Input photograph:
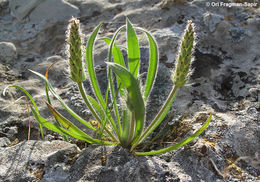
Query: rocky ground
[225,81]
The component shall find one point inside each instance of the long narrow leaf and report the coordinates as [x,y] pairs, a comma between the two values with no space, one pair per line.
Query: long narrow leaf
[33,102]
[180,144]
[159,117]
[47,92]
[63,131]
[133,49]
[90,66]
[118,58]
[116,52]
[51,89]
[92,75]
[135,99]
[53,127]
[65,122]
[110,79]
[153,63]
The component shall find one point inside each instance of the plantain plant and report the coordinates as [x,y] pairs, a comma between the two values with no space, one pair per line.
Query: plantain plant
[115,125]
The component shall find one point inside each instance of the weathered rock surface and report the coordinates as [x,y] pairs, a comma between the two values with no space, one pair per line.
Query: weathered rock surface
[7,51]
[225,81]
[42,10]
[53,10]
[20,8]
[35,160]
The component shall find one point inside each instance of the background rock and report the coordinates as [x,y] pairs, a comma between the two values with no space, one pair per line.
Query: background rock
[225,81]
[53,10]
[7,51]
[20,8]
[34,160]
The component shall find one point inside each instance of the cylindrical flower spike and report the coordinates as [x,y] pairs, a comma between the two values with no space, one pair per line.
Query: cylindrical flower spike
[184,57]
[75,55]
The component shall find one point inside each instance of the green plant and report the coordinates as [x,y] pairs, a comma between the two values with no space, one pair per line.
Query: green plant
[117,125]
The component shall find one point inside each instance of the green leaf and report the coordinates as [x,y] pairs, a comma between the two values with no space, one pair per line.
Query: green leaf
[90,66]
[125,135]
[159,117]
[180,144]
[65,122]
[116,52]
[153,63]
[110,80]
[118,58]
[56,128]
[92,75]
[133,49]
[65,132]
[51,89]
[135,99]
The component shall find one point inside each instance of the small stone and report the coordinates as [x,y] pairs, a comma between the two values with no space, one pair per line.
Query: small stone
[7,51]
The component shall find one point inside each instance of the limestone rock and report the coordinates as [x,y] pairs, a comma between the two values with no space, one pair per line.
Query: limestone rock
[91,8]
[7,51]
[211,20]
[53,10]
[21,8]
[34,160]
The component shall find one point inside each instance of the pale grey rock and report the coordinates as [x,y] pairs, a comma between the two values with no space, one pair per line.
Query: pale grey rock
[237,34]
[58,74]
[211,20]
[91,8]
[122,166]
[7,51]
[28,161]
[22,8]
[4,142]
[53,10]
[225,82]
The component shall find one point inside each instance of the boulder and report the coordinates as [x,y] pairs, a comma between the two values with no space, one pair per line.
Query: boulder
[53,10]
[7,51]
[21,8]
[91,8]
[38,10]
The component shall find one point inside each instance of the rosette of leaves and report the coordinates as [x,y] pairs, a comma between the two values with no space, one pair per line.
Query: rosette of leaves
[115,125]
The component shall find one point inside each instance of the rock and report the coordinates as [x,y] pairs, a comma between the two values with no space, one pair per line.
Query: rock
[167,4]
[255,94]
[59,71]
[237,34]
[120,165]
[35,160]
[7,51]
[91,8]
[4,142]
[53,10]
[211,20]
[225,81]
[21,8]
